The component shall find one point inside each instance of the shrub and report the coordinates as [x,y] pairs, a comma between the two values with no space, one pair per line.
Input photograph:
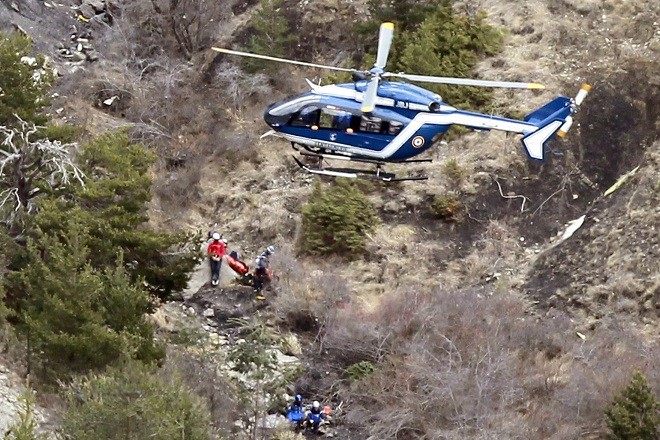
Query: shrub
[336,220]
[446,206]
[635,414]
[133,403]
[454,172]
[26,427]
[361,370]
[270,34]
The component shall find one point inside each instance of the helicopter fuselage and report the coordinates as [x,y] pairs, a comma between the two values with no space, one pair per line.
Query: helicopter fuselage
[406,121]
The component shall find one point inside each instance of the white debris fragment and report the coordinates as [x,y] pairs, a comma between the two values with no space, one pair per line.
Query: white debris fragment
[573,226]
[109,101]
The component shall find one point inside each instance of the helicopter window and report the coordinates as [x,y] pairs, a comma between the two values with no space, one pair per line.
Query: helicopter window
[335,119]
[307,117]
[370,124]
[394,128]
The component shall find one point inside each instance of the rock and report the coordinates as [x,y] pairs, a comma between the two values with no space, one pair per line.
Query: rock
[98,5]
[160,320]
[272,421]
[217,339]
[79,56]
[291,345]
[87,10]
[284,360]
[208,313]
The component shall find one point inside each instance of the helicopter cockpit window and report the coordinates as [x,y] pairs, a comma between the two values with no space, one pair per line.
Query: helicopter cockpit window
[370,124]
[307,117]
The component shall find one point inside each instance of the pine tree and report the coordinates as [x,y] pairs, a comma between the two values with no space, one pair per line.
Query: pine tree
[112,206]
[256,360]
[336,220]
[450,44]
[77,318]
[635,414]
[23,81]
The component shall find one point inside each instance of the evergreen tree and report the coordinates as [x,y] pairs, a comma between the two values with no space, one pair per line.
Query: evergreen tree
[450,44]
[23,81]
[112,206]
[26,427]
[270,34]
[77,318]
[336,220]
[431,38]
[255,359]
[635,414]
[133,403]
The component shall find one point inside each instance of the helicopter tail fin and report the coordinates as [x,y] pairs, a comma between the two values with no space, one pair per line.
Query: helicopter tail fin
[534,142]
[553,117]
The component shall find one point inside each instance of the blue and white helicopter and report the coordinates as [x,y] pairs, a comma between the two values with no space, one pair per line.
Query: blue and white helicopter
[377,121]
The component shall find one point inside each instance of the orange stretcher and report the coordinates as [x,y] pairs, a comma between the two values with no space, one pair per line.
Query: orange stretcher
[237,265]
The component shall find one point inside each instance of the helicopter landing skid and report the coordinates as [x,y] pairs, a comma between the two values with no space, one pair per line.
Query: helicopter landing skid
[351,173]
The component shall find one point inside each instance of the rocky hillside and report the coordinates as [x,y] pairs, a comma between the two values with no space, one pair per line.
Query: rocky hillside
[502,257]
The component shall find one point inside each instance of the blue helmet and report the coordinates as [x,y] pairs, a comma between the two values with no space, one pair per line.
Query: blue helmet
[298,398]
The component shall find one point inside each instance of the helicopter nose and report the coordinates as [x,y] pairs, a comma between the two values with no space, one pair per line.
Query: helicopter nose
[275,119]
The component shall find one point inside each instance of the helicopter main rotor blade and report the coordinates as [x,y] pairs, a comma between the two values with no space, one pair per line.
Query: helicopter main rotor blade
[281,60]
[369,100]
[384,43]
[466,81]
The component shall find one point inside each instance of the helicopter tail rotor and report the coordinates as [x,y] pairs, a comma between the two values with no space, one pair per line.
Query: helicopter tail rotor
[579,98]
[553,118]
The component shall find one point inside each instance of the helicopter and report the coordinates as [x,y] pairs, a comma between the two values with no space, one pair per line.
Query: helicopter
[377,121]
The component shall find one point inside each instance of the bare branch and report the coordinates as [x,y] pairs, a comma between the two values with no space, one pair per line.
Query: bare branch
[24,161]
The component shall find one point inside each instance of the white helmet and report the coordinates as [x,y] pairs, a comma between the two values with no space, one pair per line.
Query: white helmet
[316,404]
[215,236]
[270,249]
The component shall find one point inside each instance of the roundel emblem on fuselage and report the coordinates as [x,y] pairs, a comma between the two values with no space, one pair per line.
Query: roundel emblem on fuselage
[418,141]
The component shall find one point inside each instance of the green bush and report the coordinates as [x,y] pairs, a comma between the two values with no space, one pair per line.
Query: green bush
[133,403]
[26,427]
[361,370]
[24,82]
[269,34]
[446,207]
[635,414]
[336,220]
[454,172]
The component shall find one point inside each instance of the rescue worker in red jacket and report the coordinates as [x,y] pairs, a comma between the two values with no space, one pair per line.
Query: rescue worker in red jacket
[216,250]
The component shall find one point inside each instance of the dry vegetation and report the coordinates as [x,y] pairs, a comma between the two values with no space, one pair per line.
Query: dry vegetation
[478,326]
